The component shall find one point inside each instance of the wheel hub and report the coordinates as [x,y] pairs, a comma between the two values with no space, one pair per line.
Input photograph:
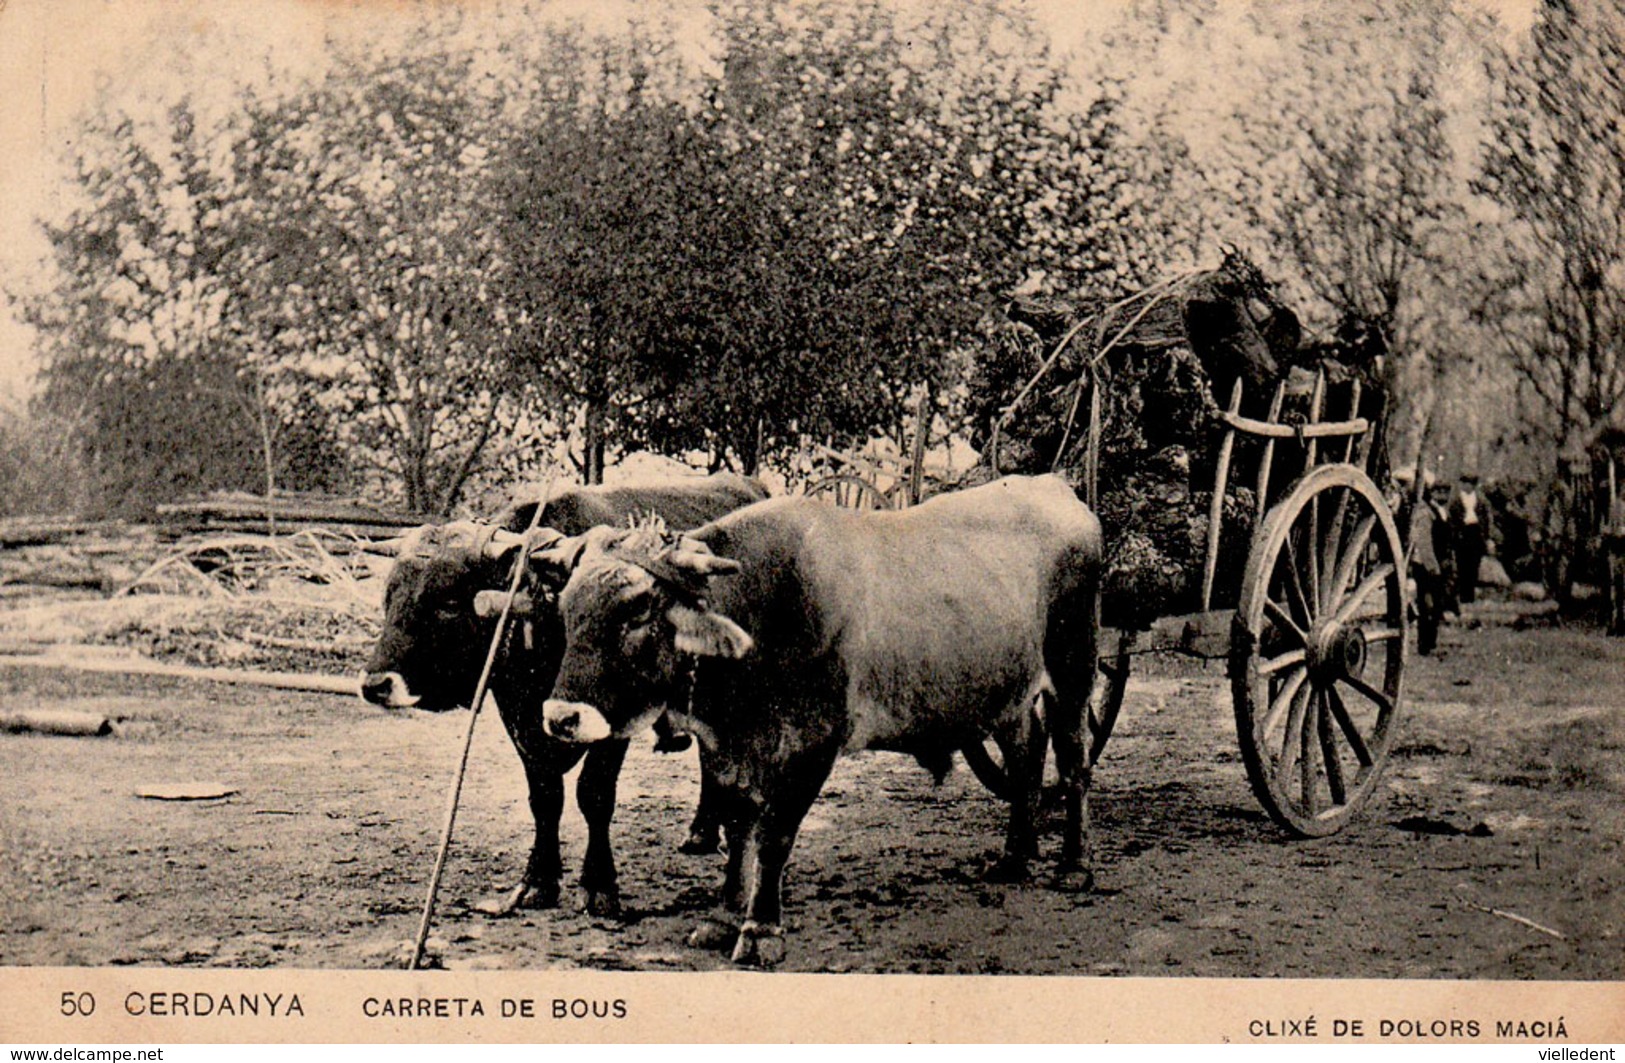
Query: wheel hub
[1336,650]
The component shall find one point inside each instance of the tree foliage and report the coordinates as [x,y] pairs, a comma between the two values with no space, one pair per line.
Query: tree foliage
[1556,164]
[735,228]
[786,245]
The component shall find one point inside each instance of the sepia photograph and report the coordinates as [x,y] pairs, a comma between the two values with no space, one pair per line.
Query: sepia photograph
[1131,490]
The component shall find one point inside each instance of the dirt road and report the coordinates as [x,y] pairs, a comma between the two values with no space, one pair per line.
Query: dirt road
[1506,792]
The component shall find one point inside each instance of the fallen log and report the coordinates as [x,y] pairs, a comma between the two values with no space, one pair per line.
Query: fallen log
[232,508]
[56,722]
[362,531]
[320,684]
[42,531]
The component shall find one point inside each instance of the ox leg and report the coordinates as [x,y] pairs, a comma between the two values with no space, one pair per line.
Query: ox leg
[739,815]
[1023,745]
[546,762]
[1071,654]
[709,816]
[595,794]
[1073,871]
[767,851]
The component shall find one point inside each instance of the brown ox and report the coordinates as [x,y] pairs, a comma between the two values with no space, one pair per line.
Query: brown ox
[790,631]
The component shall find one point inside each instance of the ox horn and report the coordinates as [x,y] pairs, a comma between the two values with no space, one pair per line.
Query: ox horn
[387,547]
[691,555]
[501,543]
[489,603]
[553,562]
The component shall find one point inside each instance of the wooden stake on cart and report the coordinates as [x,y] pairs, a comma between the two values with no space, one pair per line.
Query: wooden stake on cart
[1262,492]
[1215,512]
[468,738]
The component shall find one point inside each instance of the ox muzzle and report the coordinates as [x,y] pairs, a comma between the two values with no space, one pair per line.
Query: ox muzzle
[388,689]
[574,721]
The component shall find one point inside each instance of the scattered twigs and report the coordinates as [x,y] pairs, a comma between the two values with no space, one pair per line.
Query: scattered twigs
[1516,918]
[225,562]
[183,565]
[337,646]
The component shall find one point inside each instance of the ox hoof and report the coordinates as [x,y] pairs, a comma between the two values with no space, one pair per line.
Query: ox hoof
[713,935]
[759,946]
[605,904]
[524,896]
[1074,879]
[700,843]
[1007,869]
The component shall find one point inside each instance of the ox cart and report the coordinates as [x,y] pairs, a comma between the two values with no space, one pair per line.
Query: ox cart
[1302,586]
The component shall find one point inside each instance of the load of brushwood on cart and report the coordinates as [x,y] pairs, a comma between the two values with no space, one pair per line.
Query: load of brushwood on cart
[1165,361]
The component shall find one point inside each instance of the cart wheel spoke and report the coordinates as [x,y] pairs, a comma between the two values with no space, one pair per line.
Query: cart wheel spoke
[1279,614]
[1334,552]
[1372,694]
[1290,750]
[1289,690]
[1383,634]
[1349,561]
[1294,586]
[1350,731]
[1312,555]
[1368,586]
[1328,750]
[1307,772]
[1286,660]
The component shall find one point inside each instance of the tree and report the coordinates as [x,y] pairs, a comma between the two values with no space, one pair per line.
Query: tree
[1555,162]
[383,293]
[1351,173]
[840,198]
[296,277]
[126,315]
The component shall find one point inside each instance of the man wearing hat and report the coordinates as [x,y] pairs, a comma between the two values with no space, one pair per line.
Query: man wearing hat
[1470,534]
[1430,553]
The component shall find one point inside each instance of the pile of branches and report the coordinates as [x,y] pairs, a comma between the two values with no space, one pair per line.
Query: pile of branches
[1160,364]
[225,566]
[53,559]
[307,602]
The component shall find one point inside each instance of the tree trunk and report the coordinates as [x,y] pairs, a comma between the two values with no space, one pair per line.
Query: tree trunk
[592,458]
[753,454]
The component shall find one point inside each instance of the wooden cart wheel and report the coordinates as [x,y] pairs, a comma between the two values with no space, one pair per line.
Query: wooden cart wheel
[986,761]
[848,492]
[1318,650]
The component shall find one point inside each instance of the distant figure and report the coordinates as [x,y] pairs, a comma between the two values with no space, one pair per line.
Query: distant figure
[1430,549]
[1470,529]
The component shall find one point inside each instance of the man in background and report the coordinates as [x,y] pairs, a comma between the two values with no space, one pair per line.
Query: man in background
[1470,529]
[1430,550]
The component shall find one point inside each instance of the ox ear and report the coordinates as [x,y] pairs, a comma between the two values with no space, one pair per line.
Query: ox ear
[708,634]
[552,563]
